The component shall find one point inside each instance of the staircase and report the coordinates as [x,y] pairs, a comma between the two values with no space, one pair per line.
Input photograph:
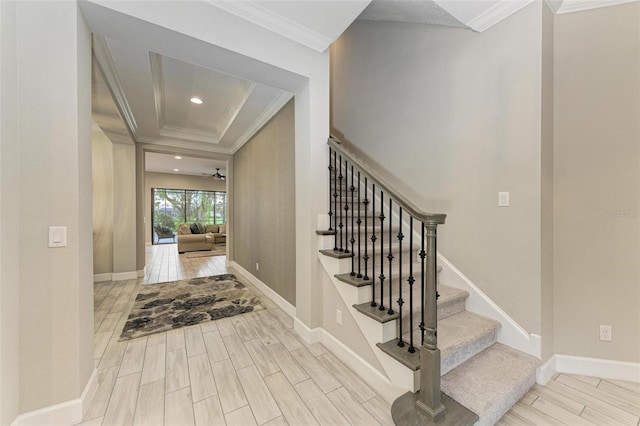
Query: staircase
[382,261]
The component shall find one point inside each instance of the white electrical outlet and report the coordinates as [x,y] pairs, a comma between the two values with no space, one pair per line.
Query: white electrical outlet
[606,333]
[339,316]
[503,199]
[257,266]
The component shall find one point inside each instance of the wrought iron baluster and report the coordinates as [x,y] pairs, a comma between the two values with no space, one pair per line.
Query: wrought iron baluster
[422,256]
[330,193]
[390,259]
[373,245]
[359,222]
[366,224]
[335,200]
[340,225]
[411,280]
[346,206]
[352,188]
[381,217]
[400,299]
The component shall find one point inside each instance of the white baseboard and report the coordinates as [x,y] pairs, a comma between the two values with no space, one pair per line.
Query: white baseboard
[510,333]
[268,291]
[65,413]
[374,378]
[584,366]
[98,278]
[121,276]
[142,272]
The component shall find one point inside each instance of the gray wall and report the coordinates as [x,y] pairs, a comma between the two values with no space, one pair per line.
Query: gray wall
[597,182]
[264,205]
[173,181]
[455,117]
[46,156]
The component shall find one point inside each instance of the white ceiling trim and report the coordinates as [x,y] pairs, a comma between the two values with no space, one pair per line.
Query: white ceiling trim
[258,15]
[234,113]
[496,13]
[570,6]
[275,106]
[191,145]
[158,88]
[103,56]
[176,132]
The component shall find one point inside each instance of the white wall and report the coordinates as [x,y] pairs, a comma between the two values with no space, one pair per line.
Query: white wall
[173,181]
[55,311]
[455,117]
[597,182]
[102,178]
[9,217]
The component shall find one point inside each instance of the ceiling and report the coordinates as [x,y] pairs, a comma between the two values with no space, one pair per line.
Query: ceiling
[186,165]
[142,91]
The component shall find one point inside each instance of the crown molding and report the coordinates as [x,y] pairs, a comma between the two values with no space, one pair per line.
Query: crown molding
[157,77]
[230,118]
[275,106]
[570,6]
[176,132]
[501,10]
[252,12]
[192,145]
[103,56]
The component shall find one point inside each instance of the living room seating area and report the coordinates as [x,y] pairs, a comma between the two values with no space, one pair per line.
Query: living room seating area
[196,236]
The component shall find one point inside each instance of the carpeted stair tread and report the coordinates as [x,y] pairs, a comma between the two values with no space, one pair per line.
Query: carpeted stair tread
[491,382]
[461,336]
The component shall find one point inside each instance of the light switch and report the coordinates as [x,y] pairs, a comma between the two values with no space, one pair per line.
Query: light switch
[57,236]
[503,199]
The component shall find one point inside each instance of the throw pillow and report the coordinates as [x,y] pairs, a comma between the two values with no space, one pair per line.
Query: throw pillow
[194,228]
[201,228]
[223,229]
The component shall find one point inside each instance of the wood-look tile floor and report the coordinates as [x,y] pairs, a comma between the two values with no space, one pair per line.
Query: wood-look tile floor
[253,369]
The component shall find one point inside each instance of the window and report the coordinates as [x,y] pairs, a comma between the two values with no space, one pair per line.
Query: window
[173,207]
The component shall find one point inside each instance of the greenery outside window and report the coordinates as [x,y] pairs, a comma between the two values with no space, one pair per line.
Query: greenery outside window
[173,207]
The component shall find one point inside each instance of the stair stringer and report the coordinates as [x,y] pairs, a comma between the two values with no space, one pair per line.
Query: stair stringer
[510,332]
[374,332]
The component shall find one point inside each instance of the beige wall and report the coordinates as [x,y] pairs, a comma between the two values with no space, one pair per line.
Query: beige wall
[455,116]
[173,181]
[102,159]
[55,311]
[9,217]
[114,206]
[546,201]
[264,205]
[597,182]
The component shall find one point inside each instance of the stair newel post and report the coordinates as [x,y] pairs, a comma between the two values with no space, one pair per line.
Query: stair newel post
[359,222]
[373,242]
[430,401]
[340,225]
[400,299]
[381,217]
[335,200]
[352,188]
[410,280]
[390,259]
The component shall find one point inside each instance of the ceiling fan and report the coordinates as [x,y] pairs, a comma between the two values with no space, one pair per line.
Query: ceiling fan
[216,175]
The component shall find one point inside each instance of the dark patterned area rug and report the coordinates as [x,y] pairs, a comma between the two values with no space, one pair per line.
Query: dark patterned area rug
[165,306]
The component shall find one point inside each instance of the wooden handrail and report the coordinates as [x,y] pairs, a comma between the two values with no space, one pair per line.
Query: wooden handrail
[436,218]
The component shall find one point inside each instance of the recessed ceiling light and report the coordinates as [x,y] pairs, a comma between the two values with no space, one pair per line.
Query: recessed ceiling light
[196,100]
[177,157]
[176,170]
